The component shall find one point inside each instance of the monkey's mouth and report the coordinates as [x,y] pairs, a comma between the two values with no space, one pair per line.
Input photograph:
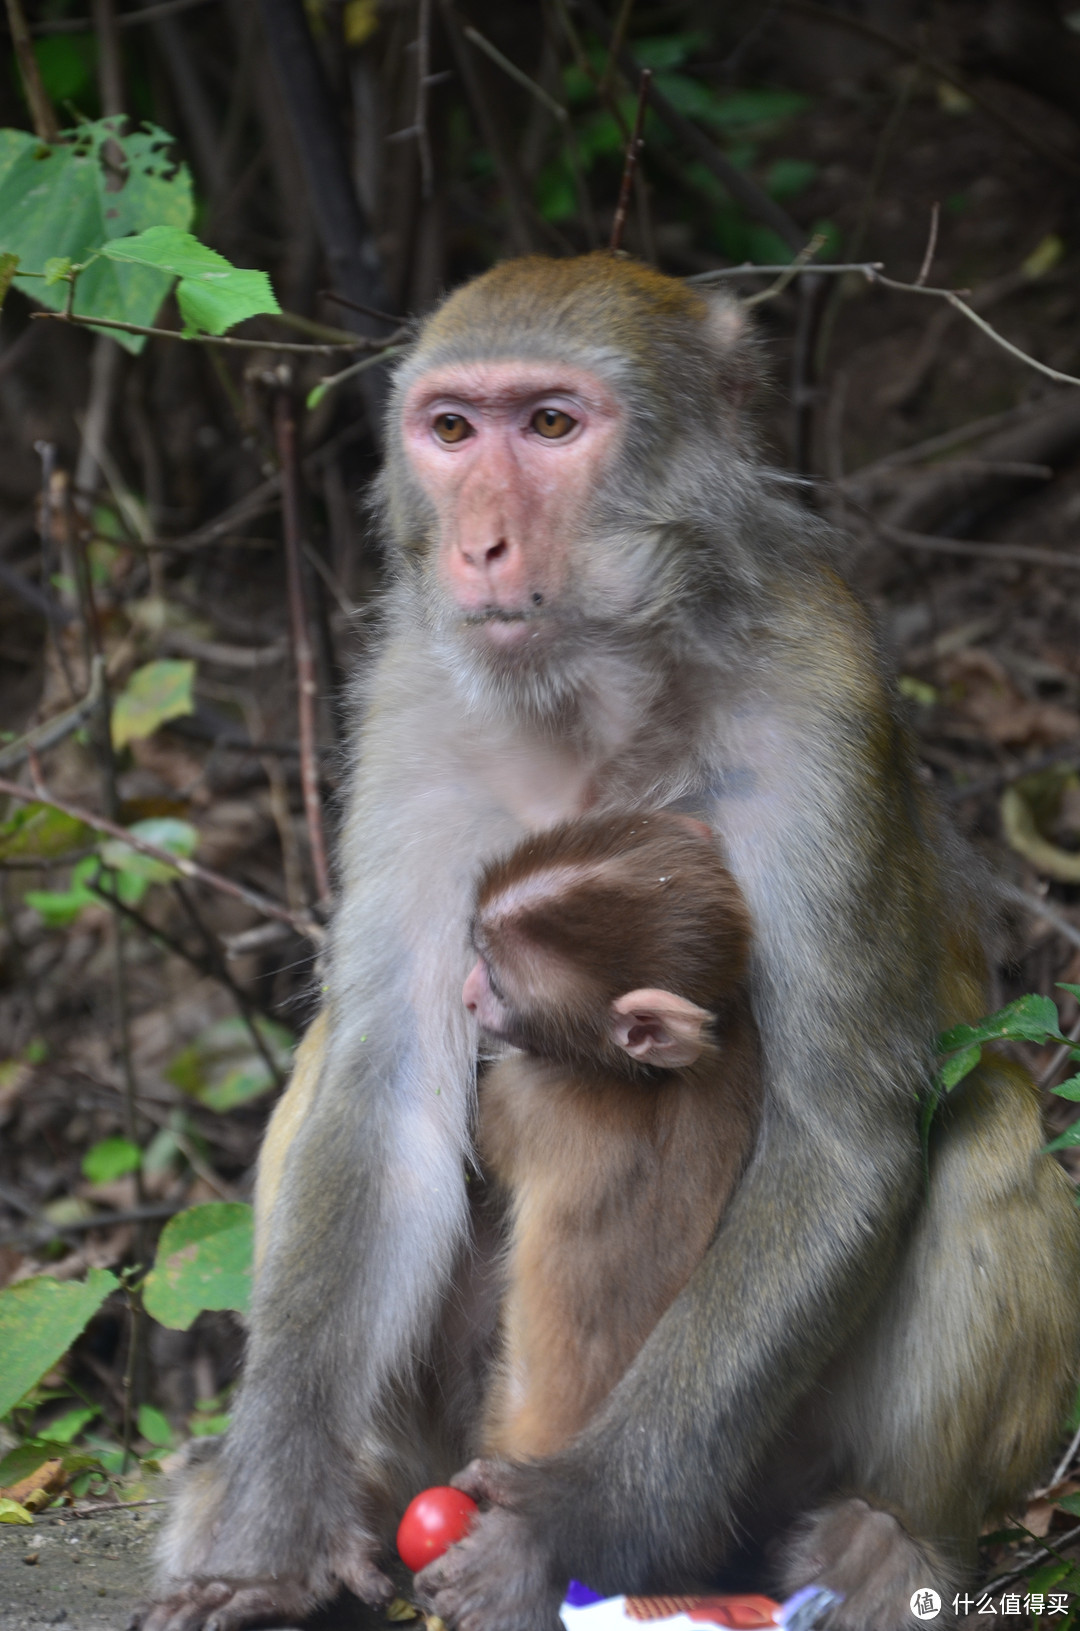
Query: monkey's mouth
[503,627]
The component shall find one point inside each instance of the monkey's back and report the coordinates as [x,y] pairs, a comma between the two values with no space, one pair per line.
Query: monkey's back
[616,1189]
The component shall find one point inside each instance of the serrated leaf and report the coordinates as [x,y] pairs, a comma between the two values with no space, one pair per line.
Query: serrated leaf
[12,1512]
[1069,1089]
[213,295]
[57,269]
[156,692]
[110,1158]
[39,1320]
[1073,990]
[56,203]
[180,838]
[204,1261]
[1031,1018]
[223,1068]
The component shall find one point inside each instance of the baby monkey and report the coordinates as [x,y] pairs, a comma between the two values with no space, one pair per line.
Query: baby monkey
[612,952]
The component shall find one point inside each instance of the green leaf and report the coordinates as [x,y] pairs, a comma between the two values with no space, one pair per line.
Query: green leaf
[959,1065]
[1069,1089]
[110,1158]
[167,832]
[1069,1503]
[55,203]
[12,1512]
[39,1320]
[68,1426]
[204,1261]
[1068,1140]
[8,264]
[1073,990]
[223,1068]
[57,269]
[59,907]
[787,178]
[1029,1019]
[154,1427]
[213,295]
[36,831]
[156,692]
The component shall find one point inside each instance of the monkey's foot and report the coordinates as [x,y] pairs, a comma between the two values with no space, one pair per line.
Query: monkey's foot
[221,1605]
[867,1554]
[496,1579]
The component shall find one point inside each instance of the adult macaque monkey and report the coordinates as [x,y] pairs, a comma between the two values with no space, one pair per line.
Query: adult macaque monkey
[612,952]
[602,602]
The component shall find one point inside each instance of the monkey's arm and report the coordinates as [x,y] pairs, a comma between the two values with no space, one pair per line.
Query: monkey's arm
[361,1200]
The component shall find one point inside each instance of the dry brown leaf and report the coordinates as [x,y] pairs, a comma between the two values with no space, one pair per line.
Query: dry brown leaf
[45,1481]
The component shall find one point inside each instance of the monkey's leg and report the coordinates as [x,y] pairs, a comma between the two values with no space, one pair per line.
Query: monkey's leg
[947,1408]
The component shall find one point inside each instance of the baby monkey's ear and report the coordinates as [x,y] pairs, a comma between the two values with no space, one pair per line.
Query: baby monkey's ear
[658,1028]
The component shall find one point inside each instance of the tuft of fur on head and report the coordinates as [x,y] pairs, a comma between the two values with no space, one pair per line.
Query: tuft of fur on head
[596,907]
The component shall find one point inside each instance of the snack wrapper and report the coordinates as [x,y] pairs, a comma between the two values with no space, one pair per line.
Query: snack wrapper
[584,1610]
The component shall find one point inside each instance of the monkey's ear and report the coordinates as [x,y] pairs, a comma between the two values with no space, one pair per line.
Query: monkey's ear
[658,1027]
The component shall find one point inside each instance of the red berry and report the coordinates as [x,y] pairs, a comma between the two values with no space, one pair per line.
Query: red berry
[433,1521]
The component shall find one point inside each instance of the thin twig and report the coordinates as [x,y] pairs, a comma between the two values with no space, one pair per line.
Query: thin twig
[1037,1556]
[82,1226]
[931,245]
[332,381]
[719,274]
[291,347]
[181,863]
[633,151]
[218,969]
[518,75]
[874,276]
[423,136]
[872,272]
[60,726]
[368,311]
[285,433]
[802,259]
[1020,553]
[42,111]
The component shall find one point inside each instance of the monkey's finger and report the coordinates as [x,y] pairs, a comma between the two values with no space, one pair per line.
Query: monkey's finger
[484,1480]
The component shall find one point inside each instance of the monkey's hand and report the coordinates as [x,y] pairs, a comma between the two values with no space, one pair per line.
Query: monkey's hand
[232,1605]
[498,1578]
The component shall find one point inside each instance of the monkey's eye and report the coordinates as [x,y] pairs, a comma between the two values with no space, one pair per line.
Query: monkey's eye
[552,423]
[452,427]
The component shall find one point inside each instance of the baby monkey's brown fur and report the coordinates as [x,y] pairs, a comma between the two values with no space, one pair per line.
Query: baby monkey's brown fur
[616,1169]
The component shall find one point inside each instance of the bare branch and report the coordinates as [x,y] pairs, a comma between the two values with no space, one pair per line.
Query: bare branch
[931,246]
[633,150]
[180,863]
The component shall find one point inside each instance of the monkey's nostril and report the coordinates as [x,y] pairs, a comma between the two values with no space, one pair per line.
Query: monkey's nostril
[497,551]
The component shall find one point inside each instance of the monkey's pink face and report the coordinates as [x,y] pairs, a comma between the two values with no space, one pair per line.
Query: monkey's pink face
[480,999]
[509,454]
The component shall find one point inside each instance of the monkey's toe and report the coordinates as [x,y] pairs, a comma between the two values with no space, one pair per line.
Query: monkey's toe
[867,1556]
[218,1606]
